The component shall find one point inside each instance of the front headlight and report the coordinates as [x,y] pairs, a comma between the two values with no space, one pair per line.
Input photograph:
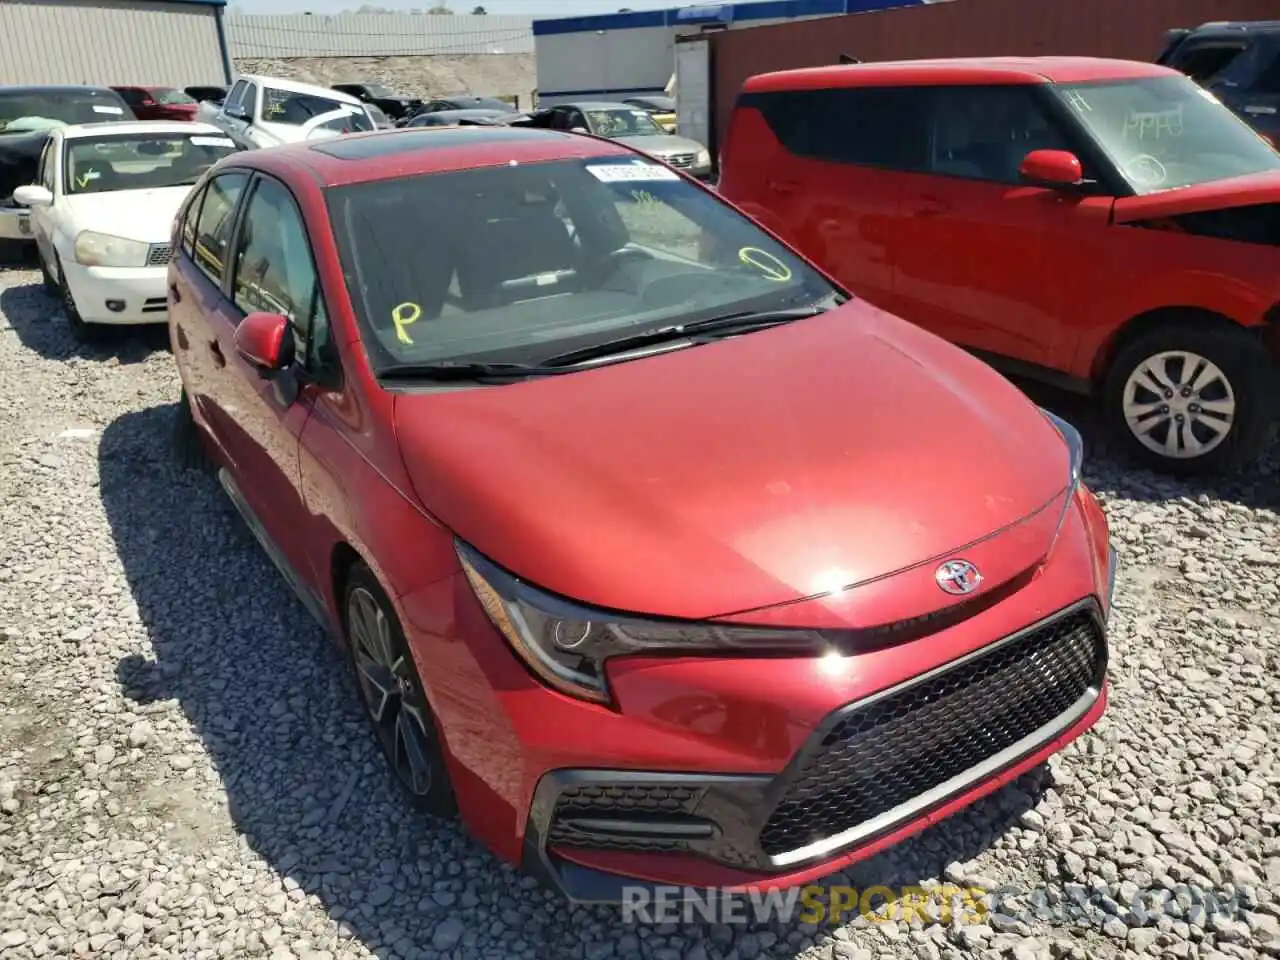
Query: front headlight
[566,645]
[104,250]
[1075,445]
[704,158]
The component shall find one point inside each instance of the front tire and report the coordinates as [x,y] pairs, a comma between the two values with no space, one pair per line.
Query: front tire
[1191,397]
[83,332]
[188,448]
[391,691]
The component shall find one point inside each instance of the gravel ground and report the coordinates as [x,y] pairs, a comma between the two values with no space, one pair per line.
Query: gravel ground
[184,771]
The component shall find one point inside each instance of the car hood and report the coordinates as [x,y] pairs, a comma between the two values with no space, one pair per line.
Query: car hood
[750,472]
[660,145]
[1242,191]
[145,215]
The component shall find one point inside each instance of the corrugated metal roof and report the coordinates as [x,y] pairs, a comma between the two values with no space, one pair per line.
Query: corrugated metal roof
[375,35]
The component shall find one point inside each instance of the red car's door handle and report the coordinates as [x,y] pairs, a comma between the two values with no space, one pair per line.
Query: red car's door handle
[219,358]
[784,186]
[931,207]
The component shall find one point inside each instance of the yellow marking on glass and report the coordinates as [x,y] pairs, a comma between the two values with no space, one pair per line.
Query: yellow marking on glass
[770,266]
[405,315]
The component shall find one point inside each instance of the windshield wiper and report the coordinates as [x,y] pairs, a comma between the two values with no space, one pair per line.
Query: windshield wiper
[462,370]
[698,330]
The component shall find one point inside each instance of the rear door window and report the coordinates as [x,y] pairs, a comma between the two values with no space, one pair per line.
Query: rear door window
[213,229]
[864,126]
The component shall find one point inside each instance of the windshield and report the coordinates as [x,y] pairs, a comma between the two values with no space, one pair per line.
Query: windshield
[43,111]
[295,109]
[519,263]
[166,95]
[629,122]
[1168,132]
[139,161]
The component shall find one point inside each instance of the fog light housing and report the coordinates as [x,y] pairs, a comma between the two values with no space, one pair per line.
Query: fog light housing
[115,306]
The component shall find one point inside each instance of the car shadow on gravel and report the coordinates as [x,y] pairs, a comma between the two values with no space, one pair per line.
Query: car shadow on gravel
[276,714]
[1107,470]
[37,319]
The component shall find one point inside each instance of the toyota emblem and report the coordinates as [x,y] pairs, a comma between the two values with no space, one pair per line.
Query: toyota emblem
[958,577]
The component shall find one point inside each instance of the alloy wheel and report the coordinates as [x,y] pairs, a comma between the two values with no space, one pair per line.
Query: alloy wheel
[391,692]
[1179,404]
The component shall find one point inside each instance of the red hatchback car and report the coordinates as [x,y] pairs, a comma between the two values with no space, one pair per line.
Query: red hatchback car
[657,556]
[1104,225]
[159,103]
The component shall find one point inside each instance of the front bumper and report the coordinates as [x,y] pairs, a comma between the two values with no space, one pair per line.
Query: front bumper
[15,224]
[119,295]
[746,773]
[877,769]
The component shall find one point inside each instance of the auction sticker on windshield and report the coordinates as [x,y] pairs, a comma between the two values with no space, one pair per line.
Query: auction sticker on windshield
[631,172]
[212,142]
[98,108]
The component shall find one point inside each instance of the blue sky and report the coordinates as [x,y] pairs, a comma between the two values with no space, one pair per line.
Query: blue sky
[562,8]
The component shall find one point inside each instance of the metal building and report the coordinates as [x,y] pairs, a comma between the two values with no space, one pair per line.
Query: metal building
[175,43]
[615,55]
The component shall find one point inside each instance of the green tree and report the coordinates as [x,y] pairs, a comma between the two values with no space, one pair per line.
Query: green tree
[478,11]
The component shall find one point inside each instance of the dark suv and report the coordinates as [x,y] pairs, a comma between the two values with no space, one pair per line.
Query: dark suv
[1239,63]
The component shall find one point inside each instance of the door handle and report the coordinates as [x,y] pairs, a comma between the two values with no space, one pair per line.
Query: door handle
[180,335]
[931,207]
[219,358]
[175,293]
[784,186]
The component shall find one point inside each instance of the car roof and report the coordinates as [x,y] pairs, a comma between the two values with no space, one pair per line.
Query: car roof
[468,112]
[295,86]
[1236,27]
[143,86]
[81,131]
[413,151]
[53,88]
[964,71]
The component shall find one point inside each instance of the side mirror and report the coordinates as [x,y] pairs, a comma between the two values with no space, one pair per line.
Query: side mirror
[263,339]
[1054,169]
[235,111]
[33,195]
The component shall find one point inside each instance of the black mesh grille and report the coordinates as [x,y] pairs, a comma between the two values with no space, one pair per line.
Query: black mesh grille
[638,801]
[896,748]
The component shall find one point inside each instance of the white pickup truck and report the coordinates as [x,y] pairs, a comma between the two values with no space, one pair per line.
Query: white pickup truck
[268,111]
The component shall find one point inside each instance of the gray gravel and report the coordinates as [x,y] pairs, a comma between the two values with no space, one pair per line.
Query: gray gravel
[184,771]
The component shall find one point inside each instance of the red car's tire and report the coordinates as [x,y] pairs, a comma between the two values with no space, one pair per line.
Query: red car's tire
[391,691]
[1209,374]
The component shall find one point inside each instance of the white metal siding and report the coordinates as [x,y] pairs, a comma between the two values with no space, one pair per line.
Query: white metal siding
[131,42]
[253,36]
[603,61]
[608,60]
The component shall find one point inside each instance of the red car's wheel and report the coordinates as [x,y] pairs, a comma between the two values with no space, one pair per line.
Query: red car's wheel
[392,693]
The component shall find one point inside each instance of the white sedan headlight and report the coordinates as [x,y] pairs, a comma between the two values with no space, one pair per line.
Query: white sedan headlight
[103,250]
[704,158]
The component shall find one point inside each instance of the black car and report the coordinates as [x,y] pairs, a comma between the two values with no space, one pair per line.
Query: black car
[451,118]
[1239,63]
[397,106]
[465,101]
[211,94]
[26,115]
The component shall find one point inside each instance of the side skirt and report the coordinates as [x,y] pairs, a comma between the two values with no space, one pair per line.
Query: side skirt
[310,600]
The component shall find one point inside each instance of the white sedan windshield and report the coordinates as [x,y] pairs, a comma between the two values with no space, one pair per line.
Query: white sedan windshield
[139,161]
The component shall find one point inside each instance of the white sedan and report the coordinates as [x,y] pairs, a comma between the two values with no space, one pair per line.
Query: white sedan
[102,214]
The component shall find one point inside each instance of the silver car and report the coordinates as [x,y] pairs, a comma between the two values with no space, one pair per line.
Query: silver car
[634,127]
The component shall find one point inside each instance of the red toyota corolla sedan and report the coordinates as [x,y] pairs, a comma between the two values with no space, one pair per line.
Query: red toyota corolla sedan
[658,557]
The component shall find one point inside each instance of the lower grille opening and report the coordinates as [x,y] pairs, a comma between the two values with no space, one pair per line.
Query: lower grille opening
[638,817]
[896,748]
[154,305]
